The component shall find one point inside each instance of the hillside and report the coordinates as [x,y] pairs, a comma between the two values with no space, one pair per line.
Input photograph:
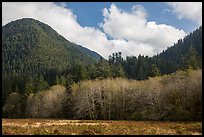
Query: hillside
[177,56]
[34,54]
[89,52]
[32,47]
[186,53]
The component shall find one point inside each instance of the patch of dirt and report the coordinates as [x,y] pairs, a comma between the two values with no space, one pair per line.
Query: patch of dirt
[196,133]
[51,123]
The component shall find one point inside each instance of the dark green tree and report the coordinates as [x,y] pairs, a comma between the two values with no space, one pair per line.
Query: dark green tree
[191,60]
[78,72]
[57,80]
[41,84]
[62,80]
[103,69]
[29,87]
[154,71]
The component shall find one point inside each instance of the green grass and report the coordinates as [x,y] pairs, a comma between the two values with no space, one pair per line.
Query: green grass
[97,127]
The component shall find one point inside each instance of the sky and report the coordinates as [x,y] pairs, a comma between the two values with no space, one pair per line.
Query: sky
[133,28]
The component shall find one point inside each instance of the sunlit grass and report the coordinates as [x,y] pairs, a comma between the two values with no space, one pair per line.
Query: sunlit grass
[97,127]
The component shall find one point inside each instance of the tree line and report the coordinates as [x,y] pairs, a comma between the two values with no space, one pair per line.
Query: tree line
[174,97]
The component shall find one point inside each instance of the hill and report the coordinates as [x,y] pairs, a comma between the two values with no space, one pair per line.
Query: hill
[89,52]
[32,47]
[33,52]
[186,53]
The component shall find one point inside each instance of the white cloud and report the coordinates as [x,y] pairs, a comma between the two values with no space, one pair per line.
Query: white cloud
[131,33]
[132,48]
[62,20]
[121,25]
[148,37]
[188,10]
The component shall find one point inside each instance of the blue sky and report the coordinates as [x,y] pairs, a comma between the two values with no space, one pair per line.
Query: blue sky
[90,13]
[133,28]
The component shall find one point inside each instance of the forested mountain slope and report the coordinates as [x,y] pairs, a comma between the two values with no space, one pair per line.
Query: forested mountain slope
[186,53]
[34,54]
[32,47]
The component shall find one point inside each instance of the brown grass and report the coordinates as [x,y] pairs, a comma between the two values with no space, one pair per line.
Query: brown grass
[97,127]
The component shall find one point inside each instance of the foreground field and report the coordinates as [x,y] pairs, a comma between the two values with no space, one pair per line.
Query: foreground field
[98,127]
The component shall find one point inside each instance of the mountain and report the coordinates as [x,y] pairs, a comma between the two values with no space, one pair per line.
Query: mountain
[32,47]
[89,52]
[186,53]
[178,56]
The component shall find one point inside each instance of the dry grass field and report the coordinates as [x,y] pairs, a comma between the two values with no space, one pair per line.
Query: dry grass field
[97,127]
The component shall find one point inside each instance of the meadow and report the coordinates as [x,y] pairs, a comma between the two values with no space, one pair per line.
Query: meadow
[97,127]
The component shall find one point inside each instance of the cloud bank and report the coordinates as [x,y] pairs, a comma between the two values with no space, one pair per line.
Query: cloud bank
[188,10]
[130,32]
[142,36]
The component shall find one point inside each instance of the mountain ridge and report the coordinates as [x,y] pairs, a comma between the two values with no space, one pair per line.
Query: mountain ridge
[34,43]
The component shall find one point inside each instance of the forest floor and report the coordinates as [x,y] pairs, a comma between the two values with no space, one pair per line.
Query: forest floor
[97,127]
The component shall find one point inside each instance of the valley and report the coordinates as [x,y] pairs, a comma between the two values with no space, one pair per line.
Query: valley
[63,77]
